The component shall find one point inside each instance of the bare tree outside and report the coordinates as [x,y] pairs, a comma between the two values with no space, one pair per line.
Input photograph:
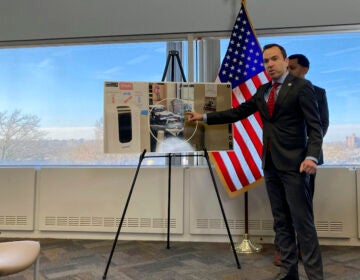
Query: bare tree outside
[17,133]
[91,151]
[22,141]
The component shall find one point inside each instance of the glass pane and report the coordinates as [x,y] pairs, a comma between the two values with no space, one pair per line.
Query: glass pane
[51,99]
[334,65]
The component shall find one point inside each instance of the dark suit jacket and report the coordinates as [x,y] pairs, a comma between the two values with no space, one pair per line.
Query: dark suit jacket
[320,95]
[294,131]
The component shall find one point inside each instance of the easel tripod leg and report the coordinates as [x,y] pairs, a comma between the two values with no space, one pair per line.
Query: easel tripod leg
[166,67]
[123,214]
[172,55]
[180,66]
[169,201]
[222,209]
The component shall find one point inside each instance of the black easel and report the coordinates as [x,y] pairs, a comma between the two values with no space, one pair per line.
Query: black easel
[141,158]
[172,54]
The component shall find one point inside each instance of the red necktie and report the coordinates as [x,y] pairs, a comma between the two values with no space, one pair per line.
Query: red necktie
[271,101]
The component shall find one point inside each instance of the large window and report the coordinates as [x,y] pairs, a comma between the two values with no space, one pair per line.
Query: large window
[51,98]
[335,66]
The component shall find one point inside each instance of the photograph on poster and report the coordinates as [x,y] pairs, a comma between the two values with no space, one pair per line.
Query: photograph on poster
[149,116]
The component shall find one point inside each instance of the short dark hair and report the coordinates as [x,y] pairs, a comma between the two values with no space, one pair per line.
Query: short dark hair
[268,46]
[301,59]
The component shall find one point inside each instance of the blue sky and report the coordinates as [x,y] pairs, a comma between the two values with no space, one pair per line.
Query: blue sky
[64,85]
[335,66]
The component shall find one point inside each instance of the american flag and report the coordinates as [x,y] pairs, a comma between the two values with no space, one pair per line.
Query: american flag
[243,67]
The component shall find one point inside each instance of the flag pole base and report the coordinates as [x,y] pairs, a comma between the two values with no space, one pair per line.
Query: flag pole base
[247,246]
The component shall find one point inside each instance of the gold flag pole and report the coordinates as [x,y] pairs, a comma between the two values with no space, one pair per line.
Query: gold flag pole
[246,245]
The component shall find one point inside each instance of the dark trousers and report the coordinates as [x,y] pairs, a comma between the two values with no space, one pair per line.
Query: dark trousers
[291,204]
[312,184]
[312,191]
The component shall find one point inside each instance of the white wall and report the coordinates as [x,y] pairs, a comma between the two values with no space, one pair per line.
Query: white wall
[87,203]
[58,19]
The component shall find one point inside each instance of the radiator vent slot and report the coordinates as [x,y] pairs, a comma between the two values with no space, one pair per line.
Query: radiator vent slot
[162,223]
[327,226]
[258,225]
[145,222]
[267,225]
[233,224]
[13,220]
[106,222]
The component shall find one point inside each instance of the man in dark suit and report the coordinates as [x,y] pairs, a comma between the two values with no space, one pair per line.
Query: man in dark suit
[299,66]
[292,139]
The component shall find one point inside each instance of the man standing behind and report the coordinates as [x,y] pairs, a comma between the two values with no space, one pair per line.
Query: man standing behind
[292,139]
[299,66]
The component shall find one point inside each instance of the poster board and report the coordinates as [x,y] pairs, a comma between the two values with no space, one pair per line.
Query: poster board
[150,116]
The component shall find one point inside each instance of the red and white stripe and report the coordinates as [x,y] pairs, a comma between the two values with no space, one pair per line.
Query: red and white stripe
[241,168]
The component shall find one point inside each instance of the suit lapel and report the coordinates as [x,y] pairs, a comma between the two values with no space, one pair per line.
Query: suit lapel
[265,89]
[285,87]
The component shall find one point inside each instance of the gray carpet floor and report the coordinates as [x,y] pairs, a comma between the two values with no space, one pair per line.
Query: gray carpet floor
[135,260]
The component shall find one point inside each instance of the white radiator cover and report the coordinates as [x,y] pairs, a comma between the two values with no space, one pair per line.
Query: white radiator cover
[88,202]
[93,199]
[17,198]
[334,206]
